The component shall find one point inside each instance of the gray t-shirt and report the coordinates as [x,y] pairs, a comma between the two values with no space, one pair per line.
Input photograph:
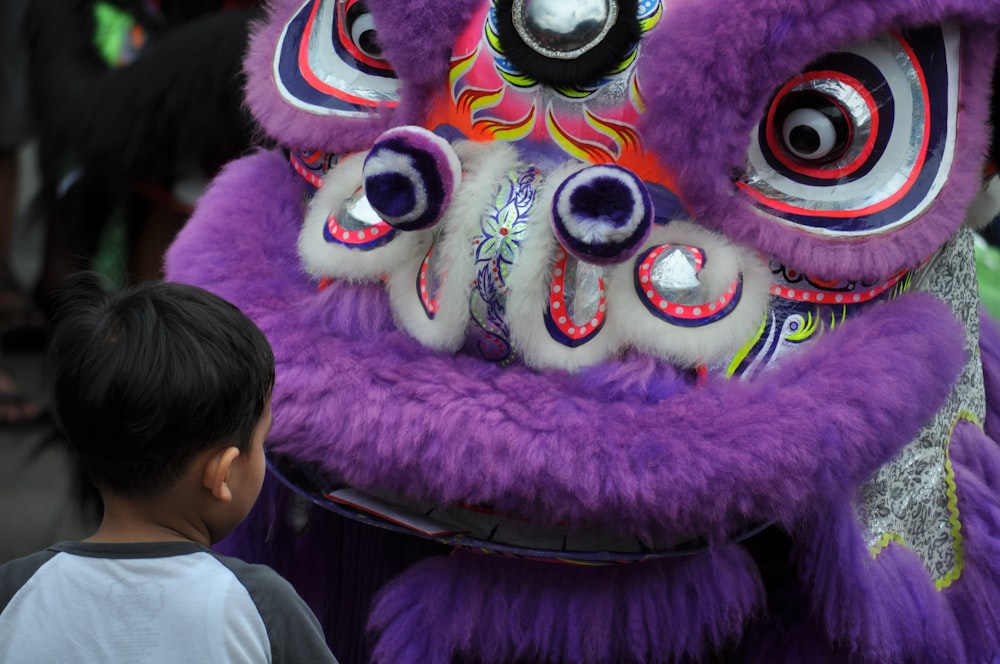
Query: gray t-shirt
[167,602]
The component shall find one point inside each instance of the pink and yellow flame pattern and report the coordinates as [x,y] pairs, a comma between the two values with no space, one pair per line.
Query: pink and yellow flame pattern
[486,102]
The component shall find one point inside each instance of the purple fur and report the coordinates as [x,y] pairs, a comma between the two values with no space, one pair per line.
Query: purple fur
[416,36]
[456,413]
[790,636]
[882,610]
[887,609]
[504,610]
[976,460]
[989,347]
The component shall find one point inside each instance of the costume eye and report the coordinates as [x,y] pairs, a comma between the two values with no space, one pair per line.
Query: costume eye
[862,140]
[328,61]
[823,125]
[813,128]
[361,27]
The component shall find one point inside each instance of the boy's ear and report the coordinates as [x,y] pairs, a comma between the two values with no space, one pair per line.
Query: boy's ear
[215,476]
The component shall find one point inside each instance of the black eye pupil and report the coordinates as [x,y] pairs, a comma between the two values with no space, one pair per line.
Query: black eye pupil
[813,127]
[361,28]
[805,140]
[368,42]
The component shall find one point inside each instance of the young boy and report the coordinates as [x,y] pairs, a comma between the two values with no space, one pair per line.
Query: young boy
[164,390]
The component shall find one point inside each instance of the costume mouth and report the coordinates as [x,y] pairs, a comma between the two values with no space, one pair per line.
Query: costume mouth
[644,426]
[628,445]
[484,529]
[620,462]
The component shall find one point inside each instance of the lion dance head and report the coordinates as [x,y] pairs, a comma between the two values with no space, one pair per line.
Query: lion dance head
[622,330]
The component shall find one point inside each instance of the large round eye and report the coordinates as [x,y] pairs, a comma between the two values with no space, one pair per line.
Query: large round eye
[821,126]
[813,129]
[361,27]
[861,142]
[328,61]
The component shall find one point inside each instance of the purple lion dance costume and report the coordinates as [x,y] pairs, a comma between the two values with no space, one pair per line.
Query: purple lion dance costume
[622,330]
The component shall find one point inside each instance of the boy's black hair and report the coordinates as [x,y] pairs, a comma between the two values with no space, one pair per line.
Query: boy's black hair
[145,378]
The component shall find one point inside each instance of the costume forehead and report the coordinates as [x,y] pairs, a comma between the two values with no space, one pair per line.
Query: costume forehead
[416,37]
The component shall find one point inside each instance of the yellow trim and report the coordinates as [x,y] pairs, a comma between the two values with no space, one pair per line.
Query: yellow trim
[585,563]
[742,354]
[585,151]
[953,513]
[493,38]
[636,94]
[461,66]
[653,19]
[574,93]
[486,101]
[884,542]
[808,330]
[626,63]
[833,316]
[518,81]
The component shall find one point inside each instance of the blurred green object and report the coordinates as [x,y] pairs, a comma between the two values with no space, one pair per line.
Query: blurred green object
[118,36]
[112,250]
[988,269]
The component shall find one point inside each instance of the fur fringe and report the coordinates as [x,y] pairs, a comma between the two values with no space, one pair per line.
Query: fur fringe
[885,609]
[499,611]
[973,598]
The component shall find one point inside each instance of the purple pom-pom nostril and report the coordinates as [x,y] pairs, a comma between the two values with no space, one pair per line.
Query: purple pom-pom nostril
[409,176]
[602,214]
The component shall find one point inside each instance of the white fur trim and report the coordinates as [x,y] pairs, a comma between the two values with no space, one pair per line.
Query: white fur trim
[324,259]
[485,165]
[528,297]
[446,148]
[454,162]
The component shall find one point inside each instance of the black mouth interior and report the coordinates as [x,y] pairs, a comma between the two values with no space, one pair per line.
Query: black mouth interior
[482,529]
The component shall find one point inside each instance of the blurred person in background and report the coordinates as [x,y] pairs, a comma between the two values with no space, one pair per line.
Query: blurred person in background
[17,311]
[139,103]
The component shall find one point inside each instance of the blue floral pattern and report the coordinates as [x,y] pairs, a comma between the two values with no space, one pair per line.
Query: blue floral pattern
[496,250]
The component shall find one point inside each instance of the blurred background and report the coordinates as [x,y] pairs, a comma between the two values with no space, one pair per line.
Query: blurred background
[114,116]
[43,498]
